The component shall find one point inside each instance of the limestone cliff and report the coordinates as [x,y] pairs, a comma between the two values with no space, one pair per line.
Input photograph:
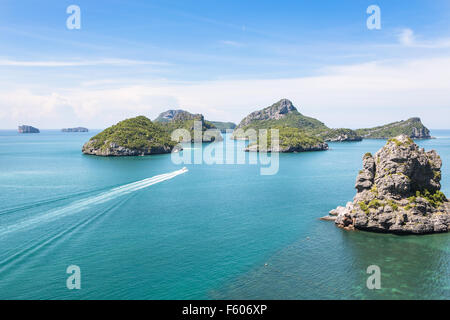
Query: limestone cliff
[180,119]
[283,114]
[398,191]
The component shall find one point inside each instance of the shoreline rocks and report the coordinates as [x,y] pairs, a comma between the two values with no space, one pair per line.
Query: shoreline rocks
[341,135]
[115,150]
[398,191]
[288,149]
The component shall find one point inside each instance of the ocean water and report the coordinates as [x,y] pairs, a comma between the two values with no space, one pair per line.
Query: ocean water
[139,228]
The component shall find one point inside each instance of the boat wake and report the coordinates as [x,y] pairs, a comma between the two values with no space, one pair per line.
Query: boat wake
[82,204]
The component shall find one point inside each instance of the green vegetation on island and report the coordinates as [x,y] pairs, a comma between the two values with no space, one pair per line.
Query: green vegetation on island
[289,140]
[130,137]
[299,131]
[172,120]
[224,126]
[412,127]
[340,134]
[280,114]
[283,114]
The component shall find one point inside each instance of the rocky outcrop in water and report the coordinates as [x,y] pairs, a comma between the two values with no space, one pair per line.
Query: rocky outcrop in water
[398,191]
[28,129]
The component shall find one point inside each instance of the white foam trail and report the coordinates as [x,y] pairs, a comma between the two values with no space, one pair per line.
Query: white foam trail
[79,205]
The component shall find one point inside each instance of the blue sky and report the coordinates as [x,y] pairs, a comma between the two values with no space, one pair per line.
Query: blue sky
[223,59]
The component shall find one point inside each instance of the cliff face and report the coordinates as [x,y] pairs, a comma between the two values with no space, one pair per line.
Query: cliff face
[412,127]
[28,129]
[178,115]
[398,191]
[276,111]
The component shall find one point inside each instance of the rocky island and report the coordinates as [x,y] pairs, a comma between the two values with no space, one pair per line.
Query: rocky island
[28,129]
[290,140]
[131,137]
[297,132]
[180,119]
[412,127]
[283,114]
[78,129]
[398,191]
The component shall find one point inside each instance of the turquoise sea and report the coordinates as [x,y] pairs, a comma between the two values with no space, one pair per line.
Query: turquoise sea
[214,232]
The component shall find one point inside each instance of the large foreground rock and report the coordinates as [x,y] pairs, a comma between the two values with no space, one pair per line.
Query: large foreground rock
[398,191]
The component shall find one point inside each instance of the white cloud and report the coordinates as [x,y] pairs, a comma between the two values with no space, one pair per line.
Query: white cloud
[407,37]
[350,96]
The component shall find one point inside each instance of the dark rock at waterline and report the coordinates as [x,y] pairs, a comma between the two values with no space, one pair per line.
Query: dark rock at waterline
[28,129]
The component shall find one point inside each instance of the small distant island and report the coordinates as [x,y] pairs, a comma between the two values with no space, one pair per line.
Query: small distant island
[398,191]
[78,129]
[28,129]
